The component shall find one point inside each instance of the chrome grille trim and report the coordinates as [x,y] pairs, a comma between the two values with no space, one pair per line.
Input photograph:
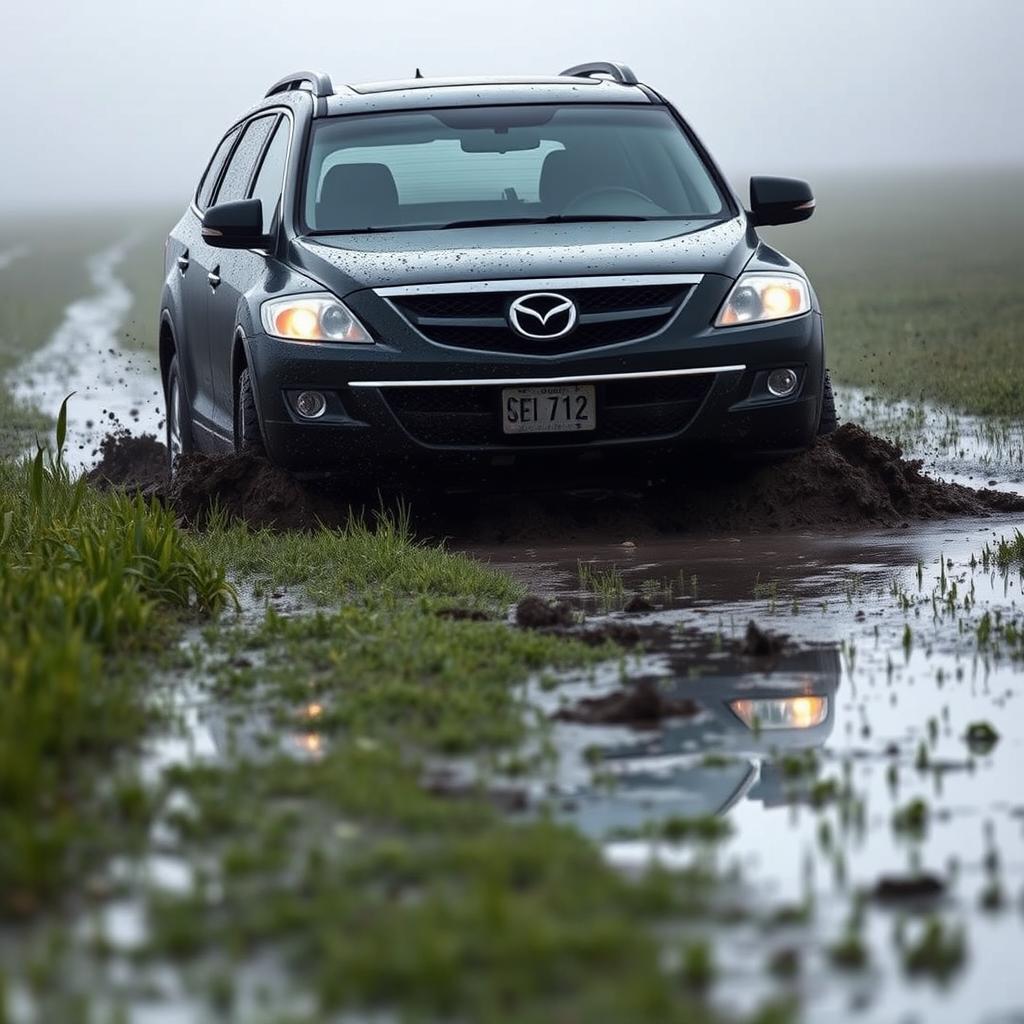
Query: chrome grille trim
[578,378]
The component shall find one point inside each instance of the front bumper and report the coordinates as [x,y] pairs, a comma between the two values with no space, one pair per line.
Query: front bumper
[392,432]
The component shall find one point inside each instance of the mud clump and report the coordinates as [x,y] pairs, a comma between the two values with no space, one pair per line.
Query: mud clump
[246,488]
[534,612]
[130,463]
[642,705]
[908,889]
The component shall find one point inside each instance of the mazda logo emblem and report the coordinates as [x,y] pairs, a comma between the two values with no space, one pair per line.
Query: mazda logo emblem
[542,315]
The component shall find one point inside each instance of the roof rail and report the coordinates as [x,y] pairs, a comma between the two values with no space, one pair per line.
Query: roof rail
[621,73]
[319,83]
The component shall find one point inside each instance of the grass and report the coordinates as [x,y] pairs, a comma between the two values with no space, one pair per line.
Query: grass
[331,564]
[918,279]
[85,579]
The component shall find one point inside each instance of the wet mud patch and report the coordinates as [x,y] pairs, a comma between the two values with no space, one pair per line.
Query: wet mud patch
[851,478]
[250,489]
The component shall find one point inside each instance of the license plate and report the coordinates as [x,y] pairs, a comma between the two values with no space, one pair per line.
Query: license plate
[563,408]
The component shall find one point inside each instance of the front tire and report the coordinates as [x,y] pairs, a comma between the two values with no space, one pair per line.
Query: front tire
[829,420]
[178,417]
[248,439]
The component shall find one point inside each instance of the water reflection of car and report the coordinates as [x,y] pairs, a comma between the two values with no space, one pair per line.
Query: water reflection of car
[749,721]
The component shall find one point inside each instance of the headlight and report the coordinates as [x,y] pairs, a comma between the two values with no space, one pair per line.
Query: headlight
[313,317]
[758,297]
[782,712]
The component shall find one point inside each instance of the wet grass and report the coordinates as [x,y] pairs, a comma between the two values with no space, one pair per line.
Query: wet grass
[377,553]
[85,581]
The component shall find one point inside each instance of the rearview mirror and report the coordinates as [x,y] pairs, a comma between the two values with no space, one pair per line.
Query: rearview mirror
[780,200]
[236,225]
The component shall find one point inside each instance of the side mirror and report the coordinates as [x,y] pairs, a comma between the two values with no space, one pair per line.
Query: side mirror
[235,225]
[780,200]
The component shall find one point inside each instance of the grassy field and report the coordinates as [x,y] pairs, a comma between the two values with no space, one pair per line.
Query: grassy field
[919,279]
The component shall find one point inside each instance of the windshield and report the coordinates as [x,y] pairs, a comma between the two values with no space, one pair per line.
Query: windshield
[487,165]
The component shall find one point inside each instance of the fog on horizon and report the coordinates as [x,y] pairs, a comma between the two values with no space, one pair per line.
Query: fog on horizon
[121,100]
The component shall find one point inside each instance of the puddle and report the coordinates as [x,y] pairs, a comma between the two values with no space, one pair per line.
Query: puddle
[113,387]
[973,450]
[880,712]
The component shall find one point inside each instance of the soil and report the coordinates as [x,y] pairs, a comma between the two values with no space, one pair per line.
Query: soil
[850,478]
[136,463]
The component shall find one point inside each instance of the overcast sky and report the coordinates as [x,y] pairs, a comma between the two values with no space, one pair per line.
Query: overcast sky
[125,99]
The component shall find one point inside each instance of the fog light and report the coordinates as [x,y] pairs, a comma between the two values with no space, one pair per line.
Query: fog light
[782,382]
[310,404]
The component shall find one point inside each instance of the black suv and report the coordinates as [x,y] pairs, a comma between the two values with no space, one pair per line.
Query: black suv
[483,274]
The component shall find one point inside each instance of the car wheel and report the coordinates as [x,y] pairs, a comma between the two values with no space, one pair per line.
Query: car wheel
[248,439]
[178,418]
[829,420]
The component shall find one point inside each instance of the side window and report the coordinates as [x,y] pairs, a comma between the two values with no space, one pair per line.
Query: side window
[267,187]
[235,182]
[205,191]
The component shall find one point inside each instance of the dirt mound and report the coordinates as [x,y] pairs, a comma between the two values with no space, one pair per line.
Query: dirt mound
[849,479]
[247,488]
[134,463]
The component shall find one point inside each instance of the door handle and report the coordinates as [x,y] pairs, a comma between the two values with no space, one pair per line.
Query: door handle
[214,278]
[183,262]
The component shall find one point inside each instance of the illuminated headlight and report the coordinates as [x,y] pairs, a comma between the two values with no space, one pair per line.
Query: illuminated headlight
[781,712]
[315,317]
[756,298]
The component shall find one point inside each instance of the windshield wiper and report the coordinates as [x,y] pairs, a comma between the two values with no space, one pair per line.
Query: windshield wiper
[557,218]
[487,222]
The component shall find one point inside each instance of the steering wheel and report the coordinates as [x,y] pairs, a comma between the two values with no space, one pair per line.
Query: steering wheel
[611,191]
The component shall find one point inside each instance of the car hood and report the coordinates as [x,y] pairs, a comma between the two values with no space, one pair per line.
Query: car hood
[346,263]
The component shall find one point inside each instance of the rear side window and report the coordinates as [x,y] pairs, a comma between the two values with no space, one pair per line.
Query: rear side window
[238,173]
[205,191]
[267,187]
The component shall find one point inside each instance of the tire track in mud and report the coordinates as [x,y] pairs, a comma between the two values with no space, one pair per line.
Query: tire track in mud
[114,388]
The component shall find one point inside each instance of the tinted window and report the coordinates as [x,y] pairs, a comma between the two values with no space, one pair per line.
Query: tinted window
[267,187]
[435,168]
[240,167]
[209,182]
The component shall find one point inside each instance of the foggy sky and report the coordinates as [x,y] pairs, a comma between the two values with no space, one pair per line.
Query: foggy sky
[125,99]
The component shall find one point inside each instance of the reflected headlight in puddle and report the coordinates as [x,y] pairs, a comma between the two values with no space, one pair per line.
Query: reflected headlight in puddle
[781,712]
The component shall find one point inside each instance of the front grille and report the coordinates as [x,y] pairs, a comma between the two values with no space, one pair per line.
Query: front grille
[626,409]
[607,316]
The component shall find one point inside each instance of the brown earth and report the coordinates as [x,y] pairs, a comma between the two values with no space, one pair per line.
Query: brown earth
[851,478]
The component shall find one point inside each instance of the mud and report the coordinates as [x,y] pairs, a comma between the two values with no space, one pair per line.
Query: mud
[852,478]
[134,463]
[534,612]
[246,488]
[908,889]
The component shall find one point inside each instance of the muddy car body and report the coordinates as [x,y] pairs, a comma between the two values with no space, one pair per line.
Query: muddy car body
[483,275]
